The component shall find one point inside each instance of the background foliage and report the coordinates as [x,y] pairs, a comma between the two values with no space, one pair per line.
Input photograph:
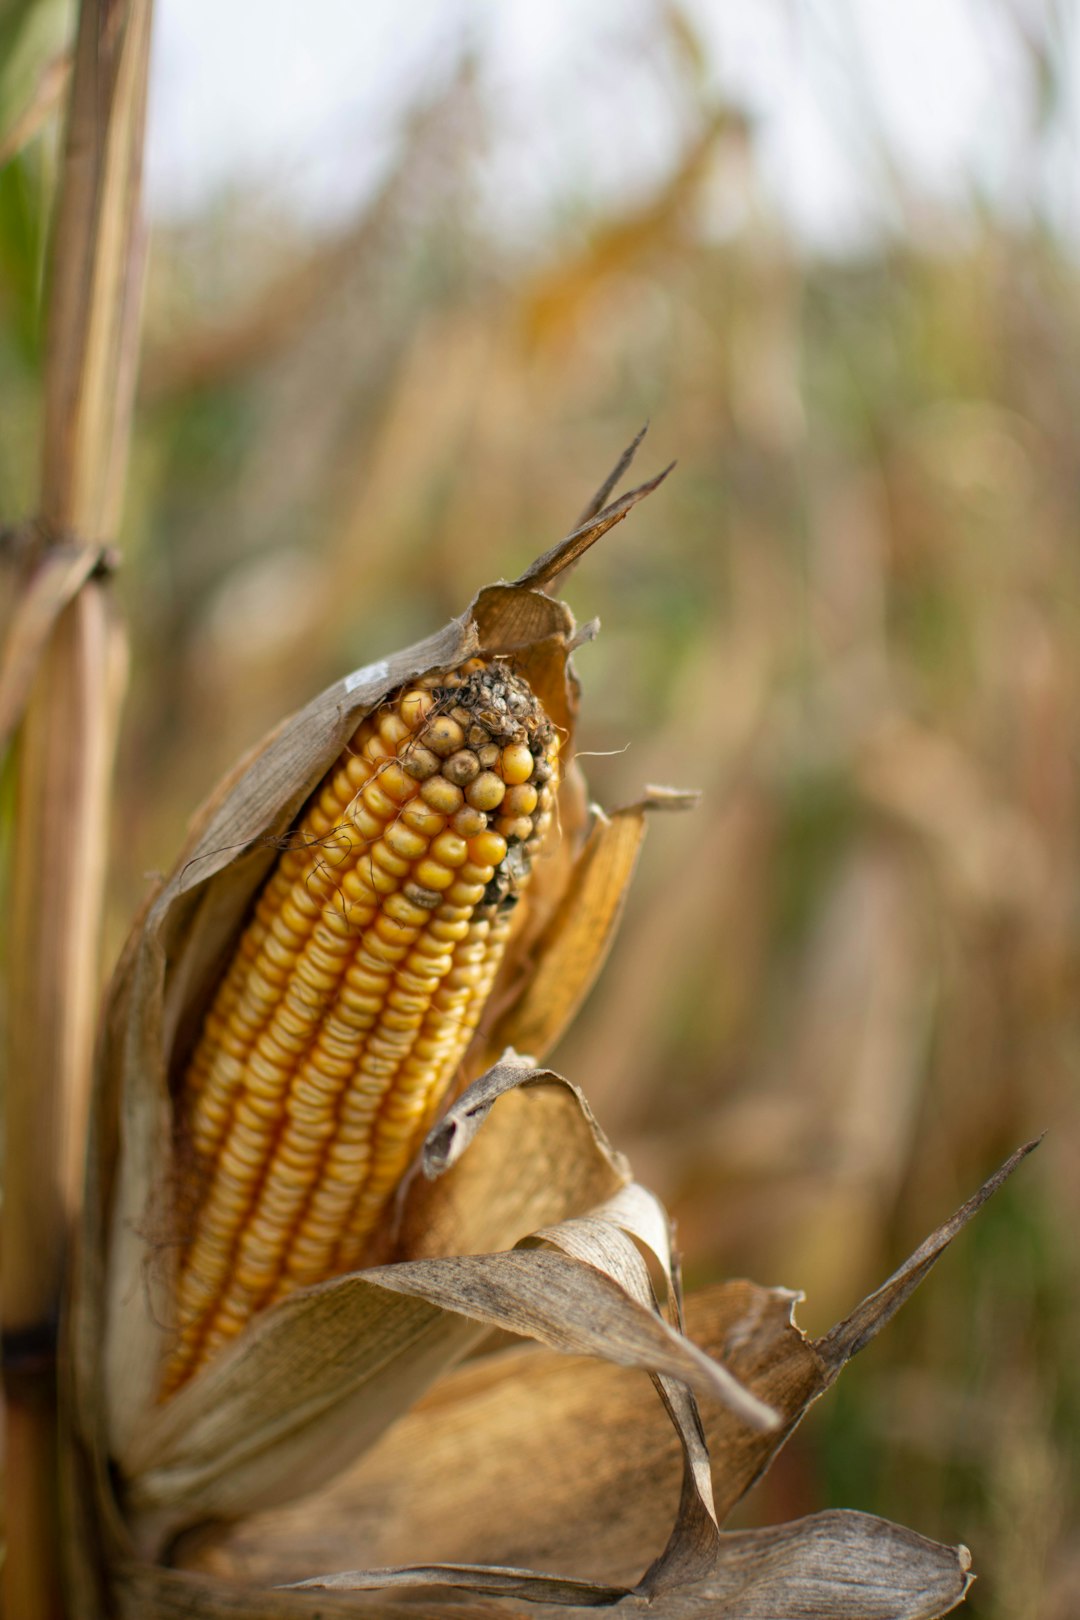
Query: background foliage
[848,986]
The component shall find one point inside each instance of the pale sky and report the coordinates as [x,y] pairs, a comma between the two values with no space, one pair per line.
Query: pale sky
[300,99]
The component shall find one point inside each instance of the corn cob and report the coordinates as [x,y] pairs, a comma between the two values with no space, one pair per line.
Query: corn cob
[354,992]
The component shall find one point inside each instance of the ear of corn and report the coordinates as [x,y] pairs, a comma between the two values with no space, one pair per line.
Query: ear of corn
[354,991]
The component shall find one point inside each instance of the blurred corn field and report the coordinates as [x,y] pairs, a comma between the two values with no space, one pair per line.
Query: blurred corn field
[851,982]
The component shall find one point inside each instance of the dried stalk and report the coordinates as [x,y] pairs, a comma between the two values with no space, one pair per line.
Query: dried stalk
[64,756]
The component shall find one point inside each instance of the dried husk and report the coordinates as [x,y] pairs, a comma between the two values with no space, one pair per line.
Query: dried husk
[485,1486]
[302,1446]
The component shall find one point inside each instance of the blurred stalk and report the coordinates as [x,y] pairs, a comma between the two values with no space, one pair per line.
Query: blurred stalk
[64,759]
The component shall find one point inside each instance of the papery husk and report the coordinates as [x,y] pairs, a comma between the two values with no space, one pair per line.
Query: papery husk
[314,1382]
[528,1477]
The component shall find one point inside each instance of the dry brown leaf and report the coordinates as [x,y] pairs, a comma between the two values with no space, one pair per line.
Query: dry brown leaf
[540,1158]
[509,1458]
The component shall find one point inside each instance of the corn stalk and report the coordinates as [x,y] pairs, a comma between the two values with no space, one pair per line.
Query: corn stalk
[61,679]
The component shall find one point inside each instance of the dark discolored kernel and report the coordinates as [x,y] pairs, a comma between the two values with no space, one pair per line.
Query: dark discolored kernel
[461,768]
[487,792]
[419,762]
[443,735]
[420,896]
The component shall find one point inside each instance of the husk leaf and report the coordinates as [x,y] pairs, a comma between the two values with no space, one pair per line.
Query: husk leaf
[508,1457]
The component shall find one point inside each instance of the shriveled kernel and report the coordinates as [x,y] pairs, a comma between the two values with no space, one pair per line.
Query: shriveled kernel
[418,762]
[462,716]
[443,735]
[488,755]
[486,793]
[516,764]
[462,767]
[487,849]
[477,736]
[441,795]
[520,801]
[419,896]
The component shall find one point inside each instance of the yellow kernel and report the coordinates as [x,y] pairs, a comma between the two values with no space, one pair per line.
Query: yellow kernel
[516,764]
[422,966]
[375,749]
[368,826]
[486,793]
[520,801]
[395,783]
[392,728]
[405,842]
[378,879]
[465,894]
[357,769]
[403,911]
[384,856]
[519,827]
[433,876]
[441,928]
[406,1001]
[378,802]
[415,707]
[364,978]
[422,818]
[449,850]
[441,795]
[394,932]
[443,736]
[415,984]
[468,822]
[487,849]
[382,949]
[472,872]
